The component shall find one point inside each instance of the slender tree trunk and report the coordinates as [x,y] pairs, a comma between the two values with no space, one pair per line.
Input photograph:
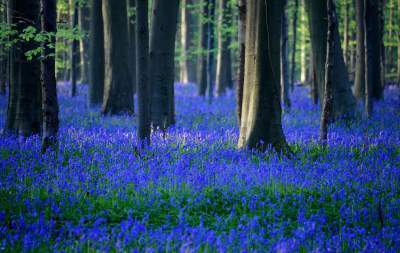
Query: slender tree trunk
[284,61]
[202,59]
[224,64]
[359,84]
[242,51]
[327,111]
[187,65]
[48,78]
[389,49]
[96,54]
[3,52]
[84,23]
[132,42]
[210,50]
[24,109]
[303,54]
[118,91]
[142,71]
[381,11]
[162,67]
[261,112]
[74,50]
[346,32]
[294,45]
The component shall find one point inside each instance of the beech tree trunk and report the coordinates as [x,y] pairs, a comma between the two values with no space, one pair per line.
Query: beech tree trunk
[162,63]
[284,61]
[3,52]
[294,45]
[24,112]
[202,58]
[346,32]
[327,109]
[118,91]
[48,78]
[188,63]
[210,50]
[224,64]
[142,71]
[261,111]
[242,51]
[96,54]
[359,83]
[74,50]
[84,23]
[132,42]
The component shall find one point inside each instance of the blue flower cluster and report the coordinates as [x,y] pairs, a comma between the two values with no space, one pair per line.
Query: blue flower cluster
[193,191]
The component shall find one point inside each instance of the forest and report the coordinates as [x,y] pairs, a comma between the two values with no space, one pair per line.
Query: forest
[200,126]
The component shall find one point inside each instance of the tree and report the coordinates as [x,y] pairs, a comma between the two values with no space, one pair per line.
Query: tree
[48,77]
[96,54]
[242,51]
[164,27]
[132,42]
[327,109]
[359,83]
[398,45]
[284,60]
[210,51]
[224,64]
[187,64]
[343,99]
[24,111]
[118,90]
[74,49]
[204,38]
[294,48]
[261,110]
[84,24]
[3,52]
[142,71]
[346,32]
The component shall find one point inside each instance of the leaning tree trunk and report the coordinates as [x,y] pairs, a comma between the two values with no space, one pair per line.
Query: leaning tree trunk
[202,58]
[284,61]
[294,48]
[162,63]
[48,78]
[261,113]
[24,115]
[142,71]
[327,109]
[132,42]
[359,83]
[118,91]
[84,24]
[96,54]
[74,51]
[242,51]
[224,64]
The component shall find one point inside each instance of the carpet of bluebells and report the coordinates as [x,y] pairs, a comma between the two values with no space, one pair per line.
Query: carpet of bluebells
[193,191]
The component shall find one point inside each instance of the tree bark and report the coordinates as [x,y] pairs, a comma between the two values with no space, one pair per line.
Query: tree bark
[294,45]
[84,23]
[24,108]
[162,63]
[284,60]
[359,84]
[346,32]
[74,50]
[3,52]
[132,42]
[242,51]
[261,112]
[96,54]
[398,45]
[142,58]
[48,78]
[202,58]
[210,50]
[188,64]
[304,66]
[118,91]
[224,64]
[327,110]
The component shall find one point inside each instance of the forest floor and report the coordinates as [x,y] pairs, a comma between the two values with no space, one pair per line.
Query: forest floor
[193,191]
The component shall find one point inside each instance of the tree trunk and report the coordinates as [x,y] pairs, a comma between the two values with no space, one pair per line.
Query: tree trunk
[398,45]
[3,52]
[162,63]
[132,42]
[187,64]
[48,79]
[359,83]
[284,61]
[346,37]
[327,110]
[373,49]
[96,54]
[84,24]
[210,50]
[142,57]
[242,51]
[294,48]
[261,112]
[24,108]
[224,64]
[389,49]
[118,92]
[74,50]
[304,66]
[343,99]
[202,58]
